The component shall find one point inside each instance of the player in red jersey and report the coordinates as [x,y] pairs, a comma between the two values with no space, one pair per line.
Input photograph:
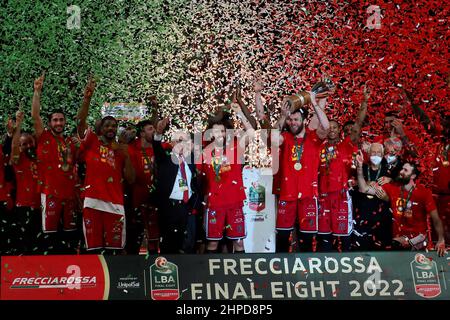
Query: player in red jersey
[107,164]
[56,170]
[410,203]
[142,191]
[441,176]
[299,162]
[335,220]
[224,188]
[24,162]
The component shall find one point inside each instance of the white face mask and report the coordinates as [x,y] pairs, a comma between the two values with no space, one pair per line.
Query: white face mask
[375,160]
[391,159]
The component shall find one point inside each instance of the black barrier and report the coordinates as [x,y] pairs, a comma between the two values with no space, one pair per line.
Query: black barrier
[303,276]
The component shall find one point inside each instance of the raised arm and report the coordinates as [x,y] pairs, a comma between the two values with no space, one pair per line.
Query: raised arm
[427,123]
[319,107]
[356,130]
[160,154]
[15,153]
[251,120]
[84,109]
[36,106]
[260,112]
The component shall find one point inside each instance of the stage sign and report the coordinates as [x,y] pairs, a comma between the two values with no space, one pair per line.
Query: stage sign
[259,208]
[133,112]
[321,276]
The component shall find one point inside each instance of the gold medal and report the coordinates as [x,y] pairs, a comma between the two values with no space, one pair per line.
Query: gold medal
[297,166]
[445,163]
[369,196]
[400,209]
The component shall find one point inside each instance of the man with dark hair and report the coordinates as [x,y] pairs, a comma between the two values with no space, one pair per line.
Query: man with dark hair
[335,221]
[299,164]
[143,222]
[56,171]
[410,203]
[222,165]
[107,165]
[24,162]
[347,127]
[393,127]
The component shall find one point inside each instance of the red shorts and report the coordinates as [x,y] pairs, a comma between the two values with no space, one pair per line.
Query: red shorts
[103,229]
[150,217]
[229,218]
[305,210]
[335,213]
[53,208]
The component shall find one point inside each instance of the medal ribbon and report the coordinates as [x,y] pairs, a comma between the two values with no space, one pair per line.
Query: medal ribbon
[407,200]
[368,173]
[298,150]
[216,164]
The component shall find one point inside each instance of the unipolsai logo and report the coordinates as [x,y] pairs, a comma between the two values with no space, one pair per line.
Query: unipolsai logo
[164,283]
[426,276]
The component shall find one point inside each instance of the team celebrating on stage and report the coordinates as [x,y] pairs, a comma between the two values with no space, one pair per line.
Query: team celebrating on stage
[98,192]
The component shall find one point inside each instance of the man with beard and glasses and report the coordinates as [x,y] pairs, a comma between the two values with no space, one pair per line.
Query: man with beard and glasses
[56,172]
[299,163]
[411,203]
[24,162]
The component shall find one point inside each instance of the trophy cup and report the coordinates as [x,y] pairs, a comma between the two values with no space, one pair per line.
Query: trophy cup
[303,98]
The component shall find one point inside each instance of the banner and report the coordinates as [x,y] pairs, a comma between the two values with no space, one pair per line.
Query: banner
[259,211]
[125,111]
[316,276]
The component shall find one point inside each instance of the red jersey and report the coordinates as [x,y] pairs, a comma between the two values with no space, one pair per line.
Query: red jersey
[335,165]
[441,170]
[229,190]
[27,194]
[104,171]
[409,209]
[296,184]
[50,154]
[143,160]
[3,186]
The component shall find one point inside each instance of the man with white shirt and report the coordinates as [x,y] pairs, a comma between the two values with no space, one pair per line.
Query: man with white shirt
[177,192]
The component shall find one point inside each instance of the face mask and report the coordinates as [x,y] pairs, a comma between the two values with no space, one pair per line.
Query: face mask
[391,159]
[375,160]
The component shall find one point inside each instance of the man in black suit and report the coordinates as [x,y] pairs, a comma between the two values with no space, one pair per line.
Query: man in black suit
[177,192]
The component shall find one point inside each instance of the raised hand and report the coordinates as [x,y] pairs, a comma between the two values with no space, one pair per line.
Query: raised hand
[285,109]
[161,126]
[10,127]
[366,92]
[360,158]
[236,107]
[398,126]
[258,84]
[19,116]
[90,87]
[39,82]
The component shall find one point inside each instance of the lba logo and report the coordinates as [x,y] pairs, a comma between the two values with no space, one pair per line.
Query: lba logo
[164,280]
[426,276]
